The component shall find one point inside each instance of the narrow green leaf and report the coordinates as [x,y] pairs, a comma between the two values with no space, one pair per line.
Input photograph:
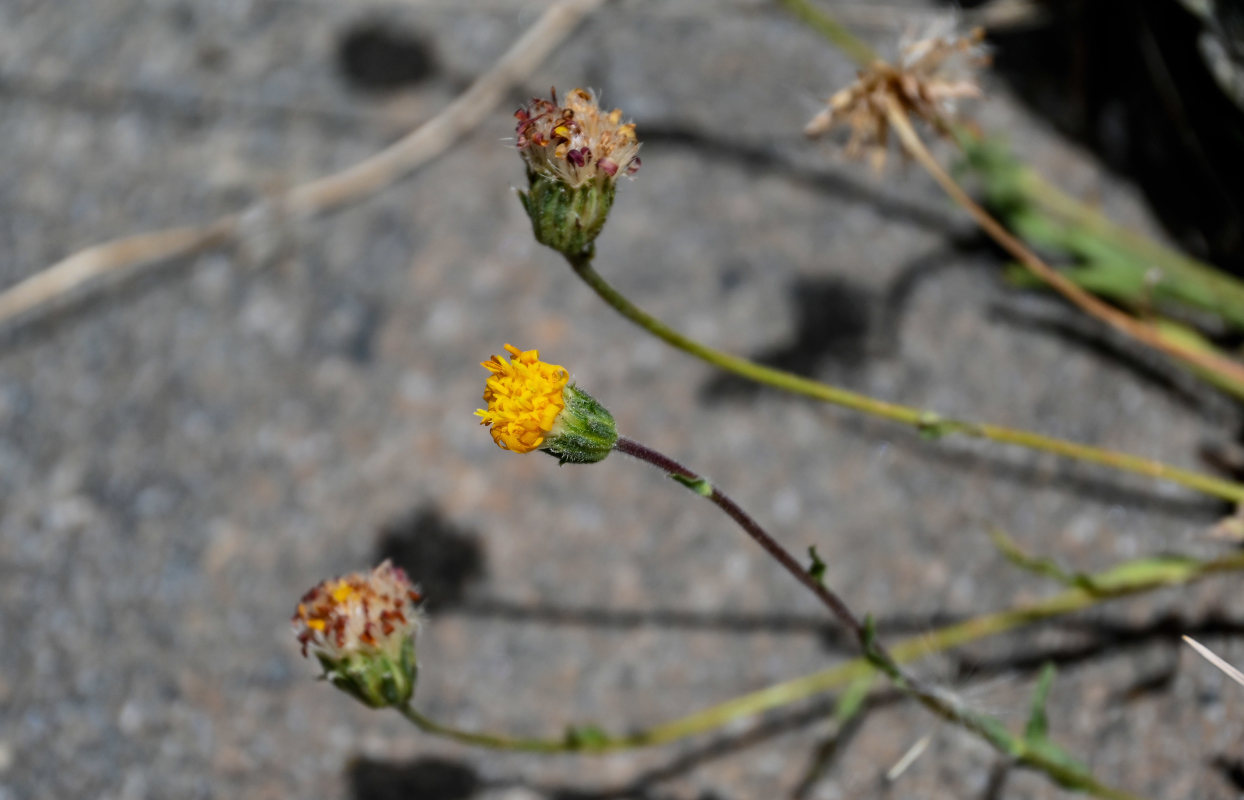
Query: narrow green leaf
[817,570]
[932,427]
[1011,550]
[1145,572]
[698,485]
[583,737]
[851,701]
[870,631]
[1038,723]
[1059,765]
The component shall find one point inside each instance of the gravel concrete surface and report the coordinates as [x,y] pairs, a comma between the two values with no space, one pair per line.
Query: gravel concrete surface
[181,456]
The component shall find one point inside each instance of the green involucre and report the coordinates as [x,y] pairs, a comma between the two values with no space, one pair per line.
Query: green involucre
[567,218]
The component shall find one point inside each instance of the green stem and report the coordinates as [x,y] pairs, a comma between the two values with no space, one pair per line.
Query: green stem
[488,740]
[926,422]
[833,30]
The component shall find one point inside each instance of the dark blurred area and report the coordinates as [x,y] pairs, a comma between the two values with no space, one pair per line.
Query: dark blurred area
[1156,90]
[378,56]
[442,558]
[425,778]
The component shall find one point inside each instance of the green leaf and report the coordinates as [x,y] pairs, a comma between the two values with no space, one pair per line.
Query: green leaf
[1145,572]
[1038,726]
[700,486]
[585,737]
[932,427]
[1039,750]
[1059,765]
[870,632]
[877,656]
[1011,550]
[996,733]
[817,570]
[851,701]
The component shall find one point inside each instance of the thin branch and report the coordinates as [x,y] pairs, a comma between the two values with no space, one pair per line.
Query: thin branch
[120,257]
[1217,660]
[753,529]
[1040,756]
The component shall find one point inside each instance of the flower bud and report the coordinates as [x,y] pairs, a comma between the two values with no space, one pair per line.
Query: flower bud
[574,153]
[533,406]
[361,627]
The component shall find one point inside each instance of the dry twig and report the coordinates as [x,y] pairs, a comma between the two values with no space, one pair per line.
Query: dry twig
[118,258]
[1213,658]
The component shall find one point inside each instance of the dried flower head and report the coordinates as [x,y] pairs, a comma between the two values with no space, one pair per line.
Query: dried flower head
[927,80]
[576,142]
[533,406]
[574,154]
[362,628]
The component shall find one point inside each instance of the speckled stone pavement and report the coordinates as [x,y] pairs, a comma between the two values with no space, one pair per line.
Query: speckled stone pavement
[183,455]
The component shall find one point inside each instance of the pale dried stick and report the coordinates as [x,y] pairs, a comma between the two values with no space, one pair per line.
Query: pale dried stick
[124,256]
[1213,658]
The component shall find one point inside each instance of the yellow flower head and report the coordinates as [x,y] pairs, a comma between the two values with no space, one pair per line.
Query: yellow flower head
[525,396]
[533,406]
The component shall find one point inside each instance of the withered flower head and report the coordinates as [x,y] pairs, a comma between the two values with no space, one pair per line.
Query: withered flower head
[361,627]
[927,80]
[576,142]
[574,152]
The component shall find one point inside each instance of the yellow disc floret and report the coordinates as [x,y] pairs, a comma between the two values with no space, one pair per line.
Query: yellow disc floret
[524,396]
